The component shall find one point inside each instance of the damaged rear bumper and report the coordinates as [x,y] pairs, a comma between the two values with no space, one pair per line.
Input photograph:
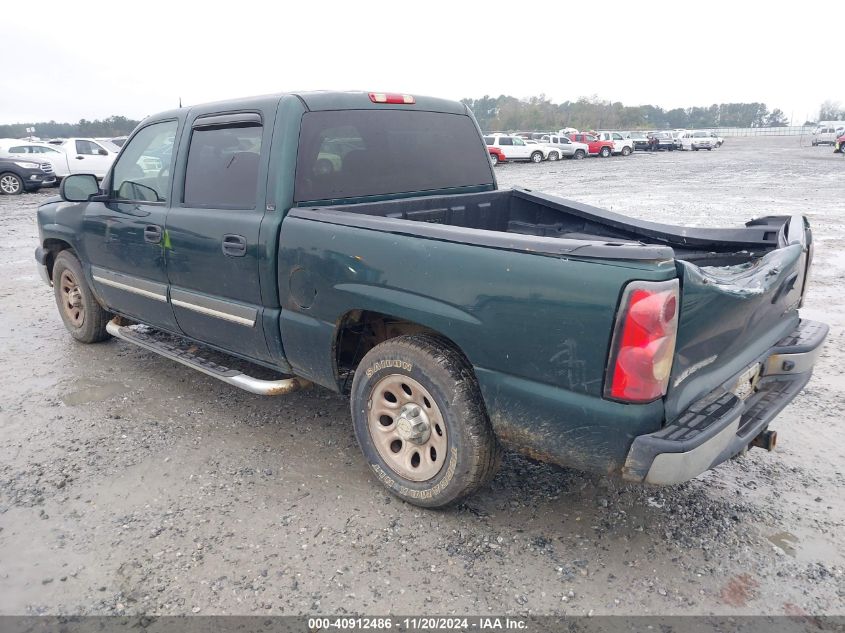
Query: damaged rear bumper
[725,422]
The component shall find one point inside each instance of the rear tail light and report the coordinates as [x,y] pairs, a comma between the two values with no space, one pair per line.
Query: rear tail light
[643,342]
[391,97]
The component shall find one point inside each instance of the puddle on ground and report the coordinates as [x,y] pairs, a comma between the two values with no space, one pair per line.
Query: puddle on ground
[95,393]
[785,541]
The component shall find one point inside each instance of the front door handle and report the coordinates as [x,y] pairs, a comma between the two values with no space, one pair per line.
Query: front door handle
[152,234]
[234,245]
[80,158]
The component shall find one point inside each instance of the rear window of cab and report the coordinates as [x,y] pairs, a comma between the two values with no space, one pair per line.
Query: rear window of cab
[357,153]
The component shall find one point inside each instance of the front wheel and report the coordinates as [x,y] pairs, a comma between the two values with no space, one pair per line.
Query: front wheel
[579,154]
[10,184]
[626,151]
[537,157]
[494,159]
[421,422]
[83,317]
[553,156]
[604,152]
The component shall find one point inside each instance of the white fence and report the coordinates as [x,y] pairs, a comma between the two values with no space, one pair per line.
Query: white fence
[789,130]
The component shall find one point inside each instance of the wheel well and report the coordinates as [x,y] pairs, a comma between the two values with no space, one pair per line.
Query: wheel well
[359,331]
[53,248]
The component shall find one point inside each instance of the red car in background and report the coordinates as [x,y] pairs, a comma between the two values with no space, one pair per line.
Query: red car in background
[496,155]
[595,146]
[839,145]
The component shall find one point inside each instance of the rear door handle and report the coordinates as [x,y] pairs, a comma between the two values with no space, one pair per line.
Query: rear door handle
[152,234]
[234,245]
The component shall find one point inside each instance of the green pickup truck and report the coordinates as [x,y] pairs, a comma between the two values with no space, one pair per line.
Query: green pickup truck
[358,241]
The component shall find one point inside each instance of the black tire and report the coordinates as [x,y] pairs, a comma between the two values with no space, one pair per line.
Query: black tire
[626,151]
[472,453]
[694,148]
[11,184]
[92,326]
[553,156]
[671,148]
[537,157]
[579,154]
[605,152]
[494,159]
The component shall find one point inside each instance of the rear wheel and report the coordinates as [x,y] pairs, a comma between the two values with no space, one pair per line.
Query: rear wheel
[83,317]
[494,158]
[604,152]
[421,422]
[537,157]
[579,154]
[10,184]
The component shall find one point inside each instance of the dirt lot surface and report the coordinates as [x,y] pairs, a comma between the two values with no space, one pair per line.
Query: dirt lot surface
[130,484]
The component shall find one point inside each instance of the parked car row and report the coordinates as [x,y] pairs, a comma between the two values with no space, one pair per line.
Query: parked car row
[64,157]
[568,143]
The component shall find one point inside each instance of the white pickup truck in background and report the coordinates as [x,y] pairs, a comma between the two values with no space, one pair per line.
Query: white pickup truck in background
[87,156]
[621,145]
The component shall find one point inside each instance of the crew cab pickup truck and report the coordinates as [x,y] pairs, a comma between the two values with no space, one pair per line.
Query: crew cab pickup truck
[359,242]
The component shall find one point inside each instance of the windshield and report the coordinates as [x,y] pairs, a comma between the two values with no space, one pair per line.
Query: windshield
[355,153]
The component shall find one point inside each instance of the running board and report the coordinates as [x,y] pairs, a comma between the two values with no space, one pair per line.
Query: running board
[185,352]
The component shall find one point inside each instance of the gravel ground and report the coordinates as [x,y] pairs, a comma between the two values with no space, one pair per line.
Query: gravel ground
[129,484]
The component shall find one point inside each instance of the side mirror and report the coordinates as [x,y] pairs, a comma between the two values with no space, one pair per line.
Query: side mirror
[102,152]
[79,187]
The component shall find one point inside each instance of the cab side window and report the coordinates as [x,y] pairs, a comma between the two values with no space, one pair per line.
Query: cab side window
[223,163]
[19,150]
[87,148]
[142,173]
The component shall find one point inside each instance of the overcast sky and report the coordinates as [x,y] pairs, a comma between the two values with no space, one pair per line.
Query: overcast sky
[91,59]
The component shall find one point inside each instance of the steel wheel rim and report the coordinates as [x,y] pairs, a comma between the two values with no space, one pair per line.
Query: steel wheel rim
[71,299]
[387,421]
[9,184]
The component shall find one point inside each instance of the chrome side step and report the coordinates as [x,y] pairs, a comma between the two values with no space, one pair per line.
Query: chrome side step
[186,353]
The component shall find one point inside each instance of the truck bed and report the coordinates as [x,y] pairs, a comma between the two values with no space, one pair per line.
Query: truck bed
[524,220]
[740,287]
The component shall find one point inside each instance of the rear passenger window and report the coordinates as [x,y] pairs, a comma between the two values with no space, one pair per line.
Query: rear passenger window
[505,140]
[222,169]
[489,140]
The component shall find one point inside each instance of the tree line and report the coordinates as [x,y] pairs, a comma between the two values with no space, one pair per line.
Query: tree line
[539,113]
[108,127]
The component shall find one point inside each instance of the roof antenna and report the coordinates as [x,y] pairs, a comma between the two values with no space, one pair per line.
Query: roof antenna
[180,102]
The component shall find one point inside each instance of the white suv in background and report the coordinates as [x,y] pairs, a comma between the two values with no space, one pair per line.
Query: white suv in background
[827,134]
[621,145]
[516,148]
[12,148]
[696,140]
